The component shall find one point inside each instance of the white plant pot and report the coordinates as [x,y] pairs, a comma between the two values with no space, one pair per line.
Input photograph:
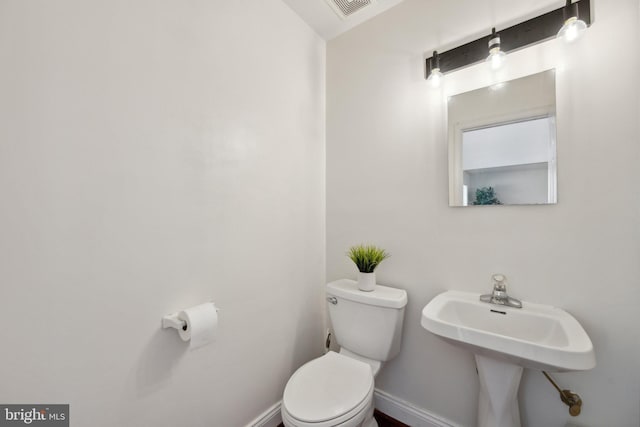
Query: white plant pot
[366,281]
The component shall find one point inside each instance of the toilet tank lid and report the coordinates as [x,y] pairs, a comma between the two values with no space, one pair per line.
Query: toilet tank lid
[381,296]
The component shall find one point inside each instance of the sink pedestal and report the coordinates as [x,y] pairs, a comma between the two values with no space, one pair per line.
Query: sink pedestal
[498,398]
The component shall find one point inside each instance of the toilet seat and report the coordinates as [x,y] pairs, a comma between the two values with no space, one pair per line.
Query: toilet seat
[328,391]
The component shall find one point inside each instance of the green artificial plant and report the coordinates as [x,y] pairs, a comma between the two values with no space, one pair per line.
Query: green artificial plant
[367,257]
[486,196]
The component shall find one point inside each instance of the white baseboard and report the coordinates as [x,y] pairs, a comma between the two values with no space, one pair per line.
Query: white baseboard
[399,409]
[269,418]
[407,413]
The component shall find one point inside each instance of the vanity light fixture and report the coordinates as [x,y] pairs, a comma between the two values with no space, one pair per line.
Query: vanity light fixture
[527,33]
[496,55]
[573,26]
[435,75]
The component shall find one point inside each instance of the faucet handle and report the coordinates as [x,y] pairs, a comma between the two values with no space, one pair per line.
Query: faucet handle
[499,282]
[499,277]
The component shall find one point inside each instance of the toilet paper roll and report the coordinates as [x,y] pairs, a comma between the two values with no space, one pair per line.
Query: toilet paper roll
[202,324]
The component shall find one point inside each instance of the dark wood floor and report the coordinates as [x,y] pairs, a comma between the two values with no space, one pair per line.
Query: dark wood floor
[383,420]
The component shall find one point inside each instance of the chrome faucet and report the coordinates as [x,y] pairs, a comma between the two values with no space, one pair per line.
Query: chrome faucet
[499,295]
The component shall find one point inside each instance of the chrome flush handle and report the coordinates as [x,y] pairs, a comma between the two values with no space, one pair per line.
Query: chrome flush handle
[332,300]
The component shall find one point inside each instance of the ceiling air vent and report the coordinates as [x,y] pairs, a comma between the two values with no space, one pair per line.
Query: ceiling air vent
[345,8]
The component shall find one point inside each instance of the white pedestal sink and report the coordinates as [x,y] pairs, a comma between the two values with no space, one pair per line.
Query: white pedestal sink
[505,340]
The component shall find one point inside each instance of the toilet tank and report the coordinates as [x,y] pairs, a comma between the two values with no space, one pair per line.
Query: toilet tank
[367,323]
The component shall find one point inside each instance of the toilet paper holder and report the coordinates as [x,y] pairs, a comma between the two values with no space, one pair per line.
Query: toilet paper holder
[173,321]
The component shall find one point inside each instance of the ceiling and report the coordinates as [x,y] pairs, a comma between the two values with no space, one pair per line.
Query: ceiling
[326,22]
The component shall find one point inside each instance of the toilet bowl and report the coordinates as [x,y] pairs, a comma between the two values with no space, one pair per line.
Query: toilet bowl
[332,390]
[336,390]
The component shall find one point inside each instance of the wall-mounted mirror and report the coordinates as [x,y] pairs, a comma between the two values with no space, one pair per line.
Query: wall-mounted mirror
[502,143]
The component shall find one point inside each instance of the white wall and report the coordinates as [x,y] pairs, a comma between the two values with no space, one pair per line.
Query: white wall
[387,184]
[510,144]
[155,155]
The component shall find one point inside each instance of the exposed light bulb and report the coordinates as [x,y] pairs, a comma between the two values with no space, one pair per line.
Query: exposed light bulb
[573,26]
[496,59]
[496,56]
[435,78]
[572,29]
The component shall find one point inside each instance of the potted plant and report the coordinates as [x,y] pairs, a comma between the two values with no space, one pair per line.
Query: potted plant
[486,196]
[367,258]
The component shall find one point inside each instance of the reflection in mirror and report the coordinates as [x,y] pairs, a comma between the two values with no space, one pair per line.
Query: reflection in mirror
[502,143]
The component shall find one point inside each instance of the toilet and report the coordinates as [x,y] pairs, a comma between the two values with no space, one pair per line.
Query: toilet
[336,390]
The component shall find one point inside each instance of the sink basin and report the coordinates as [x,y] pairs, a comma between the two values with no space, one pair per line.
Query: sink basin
[536,336]
[505,340]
